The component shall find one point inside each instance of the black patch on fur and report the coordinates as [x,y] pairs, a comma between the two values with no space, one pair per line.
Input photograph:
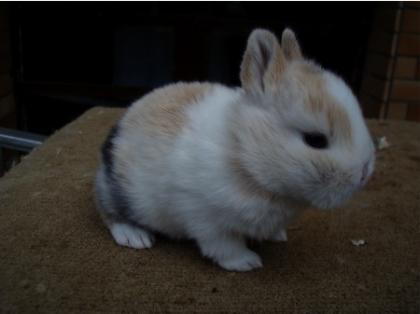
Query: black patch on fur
[120,201]
[107,149]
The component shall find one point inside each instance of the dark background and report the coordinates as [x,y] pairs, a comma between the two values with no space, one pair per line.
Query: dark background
[69,57]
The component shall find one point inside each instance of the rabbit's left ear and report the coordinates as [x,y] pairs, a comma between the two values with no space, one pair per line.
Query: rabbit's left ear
[263,62]
[290,45]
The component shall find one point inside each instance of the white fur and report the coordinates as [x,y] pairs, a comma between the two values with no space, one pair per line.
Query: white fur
[194,194]
[345,98]
[185,186]
[131,236]
[363,149]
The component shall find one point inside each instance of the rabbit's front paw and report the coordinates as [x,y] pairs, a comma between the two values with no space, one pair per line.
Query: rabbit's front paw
[132,236]
[245,261]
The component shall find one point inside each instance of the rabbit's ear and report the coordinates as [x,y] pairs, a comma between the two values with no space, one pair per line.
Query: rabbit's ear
[263,62]
[290,45]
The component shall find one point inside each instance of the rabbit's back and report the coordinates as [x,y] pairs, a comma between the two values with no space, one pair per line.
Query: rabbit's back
[146,150]
[150,127]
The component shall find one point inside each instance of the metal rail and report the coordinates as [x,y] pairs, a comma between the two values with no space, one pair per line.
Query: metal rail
[19,140]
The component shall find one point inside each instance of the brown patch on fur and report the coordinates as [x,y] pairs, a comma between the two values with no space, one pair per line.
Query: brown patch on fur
[246,73]
[290,45]
[309,68]
[339,121]
[318,100]
[275,71]
[163,110]
[156,118]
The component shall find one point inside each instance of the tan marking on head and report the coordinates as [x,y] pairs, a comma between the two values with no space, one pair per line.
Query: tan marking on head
[317,99]
[163,110]
[339,121]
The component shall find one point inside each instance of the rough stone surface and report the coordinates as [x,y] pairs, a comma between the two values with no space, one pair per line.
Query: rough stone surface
[57,256]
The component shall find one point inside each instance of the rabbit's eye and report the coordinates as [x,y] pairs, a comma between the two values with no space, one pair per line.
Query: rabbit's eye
[316,140]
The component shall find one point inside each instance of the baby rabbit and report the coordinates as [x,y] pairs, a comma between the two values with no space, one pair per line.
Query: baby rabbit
[219,165]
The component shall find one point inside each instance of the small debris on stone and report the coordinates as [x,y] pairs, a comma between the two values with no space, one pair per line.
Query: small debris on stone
[358,242]
[36,194]
[40,288]
[24,283]
[382,143]
[340,260]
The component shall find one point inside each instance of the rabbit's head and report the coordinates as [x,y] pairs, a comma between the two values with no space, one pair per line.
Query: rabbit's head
[299,131]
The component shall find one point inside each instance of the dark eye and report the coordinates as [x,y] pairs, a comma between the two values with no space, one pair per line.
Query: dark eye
[316,140]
